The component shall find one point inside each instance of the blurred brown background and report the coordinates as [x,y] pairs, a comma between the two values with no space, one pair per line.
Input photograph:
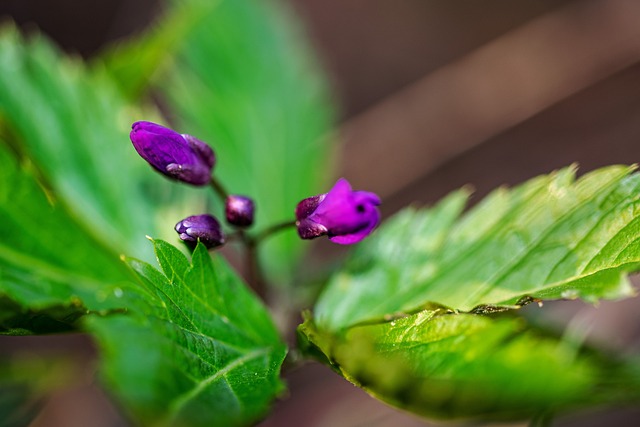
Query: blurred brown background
[435,94]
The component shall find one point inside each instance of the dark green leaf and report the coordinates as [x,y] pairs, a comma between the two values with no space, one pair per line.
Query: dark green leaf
[207,355]
[448,365]
[48,261]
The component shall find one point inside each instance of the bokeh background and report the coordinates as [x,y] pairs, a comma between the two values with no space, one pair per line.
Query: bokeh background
[433,95]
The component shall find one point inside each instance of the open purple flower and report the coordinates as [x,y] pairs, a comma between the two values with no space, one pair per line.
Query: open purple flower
[180,157]
[345,216]
[239,210]
[200,227]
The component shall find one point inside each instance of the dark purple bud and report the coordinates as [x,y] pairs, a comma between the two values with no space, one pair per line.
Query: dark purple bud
[180,157]
[239,210]
[200,227]
[345,216]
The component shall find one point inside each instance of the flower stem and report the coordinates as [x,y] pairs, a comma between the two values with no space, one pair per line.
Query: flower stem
[218,188]
[270,231]
[254,272]
[255,276]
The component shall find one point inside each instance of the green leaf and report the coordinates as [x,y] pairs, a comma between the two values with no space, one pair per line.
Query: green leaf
[207,355]
[73,126]
[80,196]
[390,321]
[51,270]
[133,63]
[552,237]
[244,82]
[464,366]
[198,325]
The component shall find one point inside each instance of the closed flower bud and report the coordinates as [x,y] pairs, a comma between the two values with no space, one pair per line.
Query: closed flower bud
[345,216]
[180,157]
[200,227]
[239,210]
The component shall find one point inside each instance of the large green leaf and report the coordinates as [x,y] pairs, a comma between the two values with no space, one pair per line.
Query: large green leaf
[244,82]
[465,366]
[391,322]
[208,355]
[552,237]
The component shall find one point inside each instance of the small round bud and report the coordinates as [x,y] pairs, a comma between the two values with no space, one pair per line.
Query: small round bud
[239,210]
[200,227]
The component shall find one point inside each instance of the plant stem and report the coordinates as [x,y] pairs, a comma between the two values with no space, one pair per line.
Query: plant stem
[255,276]
[218,188]
[254,272]
[267,232]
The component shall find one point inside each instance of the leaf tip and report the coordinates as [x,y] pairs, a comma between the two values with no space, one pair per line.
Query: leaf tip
[467,189]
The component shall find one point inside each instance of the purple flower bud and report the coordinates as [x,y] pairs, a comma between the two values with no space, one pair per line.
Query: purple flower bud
[344,215]
[200,227]
[239,210]
[180,157]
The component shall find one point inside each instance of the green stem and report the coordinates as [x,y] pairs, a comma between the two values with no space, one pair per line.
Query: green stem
[267,232]
[218,188]
[255,276]
[254,272]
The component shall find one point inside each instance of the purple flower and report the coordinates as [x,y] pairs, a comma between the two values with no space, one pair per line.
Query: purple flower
[344,215]
[200,227]
[180,157]
[239,210]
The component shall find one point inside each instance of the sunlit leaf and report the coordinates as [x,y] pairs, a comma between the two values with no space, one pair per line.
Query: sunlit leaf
[392,320]
[552,237]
